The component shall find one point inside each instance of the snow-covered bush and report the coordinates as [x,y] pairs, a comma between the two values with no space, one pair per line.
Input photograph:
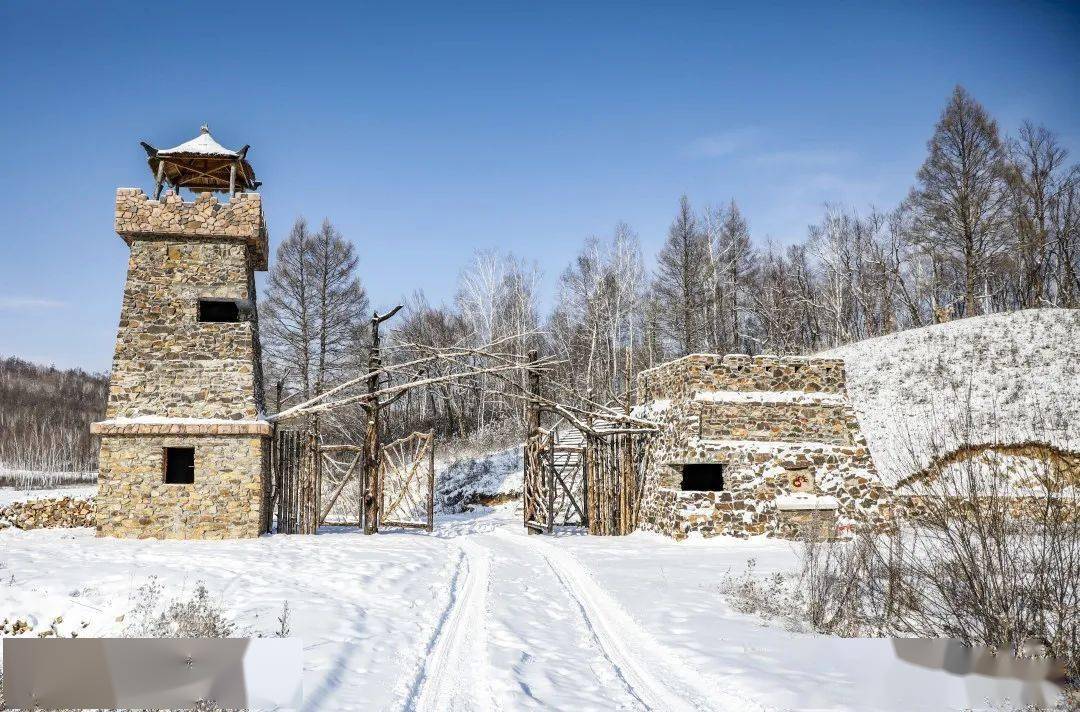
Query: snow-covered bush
[989,554]
[195,617]
[774,598]
[833,585]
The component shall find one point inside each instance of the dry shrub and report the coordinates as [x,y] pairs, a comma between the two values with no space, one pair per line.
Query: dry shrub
[990,556]
[195,617]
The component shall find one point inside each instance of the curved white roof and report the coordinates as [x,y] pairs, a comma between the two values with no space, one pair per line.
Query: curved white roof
[203,145]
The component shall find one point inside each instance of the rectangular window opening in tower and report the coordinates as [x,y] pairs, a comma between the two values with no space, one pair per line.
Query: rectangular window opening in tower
[179,465]
[703,477]
[220,310]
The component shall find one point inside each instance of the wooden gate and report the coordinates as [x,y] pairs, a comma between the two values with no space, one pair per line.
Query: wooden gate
[554,482]
[406,482]
[585,479]
[615,472]
[295,463]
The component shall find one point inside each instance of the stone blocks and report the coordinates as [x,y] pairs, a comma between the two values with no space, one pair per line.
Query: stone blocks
[47,513]
[166,362]
[681,378]
[777,426]
[226,501]
[178,381]
[239,220]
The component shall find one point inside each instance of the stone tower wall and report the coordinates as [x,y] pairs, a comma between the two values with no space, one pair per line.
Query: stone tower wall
[166,362]
[179,382]
[240,218]
[227,500]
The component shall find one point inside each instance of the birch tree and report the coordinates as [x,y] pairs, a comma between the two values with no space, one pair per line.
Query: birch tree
[1043,190]
[732,265]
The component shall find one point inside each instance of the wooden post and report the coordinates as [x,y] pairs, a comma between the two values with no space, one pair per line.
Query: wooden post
[431,483]
[159,179]
[272,488]
[587,469]
[532,429]
[315,443]
[307,509]
[372,443]
[371,436]
[551,488]
[232,180]
[533,423]
[626,483]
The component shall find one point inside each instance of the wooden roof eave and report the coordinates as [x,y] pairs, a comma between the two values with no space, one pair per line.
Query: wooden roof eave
[185,175]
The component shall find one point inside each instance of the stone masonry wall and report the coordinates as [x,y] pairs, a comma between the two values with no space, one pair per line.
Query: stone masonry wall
[238,220]
[179,382]
[226,501]
[818,422]
[166,362]
[779,426]
[683,377]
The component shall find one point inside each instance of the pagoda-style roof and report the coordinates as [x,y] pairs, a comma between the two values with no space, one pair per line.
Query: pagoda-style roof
[201,165]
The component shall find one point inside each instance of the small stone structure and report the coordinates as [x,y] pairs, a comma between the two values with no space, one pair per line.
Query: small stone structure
[185,448]
[49,512]
[755,445]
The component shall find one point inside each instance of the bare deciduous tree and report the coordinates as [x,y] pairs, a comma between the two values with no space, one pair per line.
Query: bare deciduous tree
[961,199]
[1043,191]
[682,271]
[732,263]
[314,312]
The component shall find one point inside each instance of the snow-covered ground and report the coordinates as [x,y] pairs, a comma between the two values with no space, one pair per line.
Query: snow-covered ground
[1017,374]
[470,480]
[481,616]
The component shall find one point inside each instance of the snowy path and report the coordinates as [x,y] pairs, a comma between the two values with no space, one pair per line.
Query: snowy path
[480,616]
[556,638]
[655,674]
[453,675]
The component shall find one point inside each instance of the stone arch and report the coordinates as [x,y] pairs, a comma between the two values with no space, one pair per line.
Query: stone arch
[1064,460]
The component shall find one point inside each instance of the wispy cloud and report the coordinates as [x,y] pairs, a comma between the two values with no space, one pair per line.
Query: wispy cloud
[17,303]
[750,146]
[806,157]
[724,144]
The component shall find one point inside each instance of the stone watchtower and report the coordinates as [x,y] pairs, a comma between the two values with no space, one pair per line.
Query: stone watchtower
[185,448]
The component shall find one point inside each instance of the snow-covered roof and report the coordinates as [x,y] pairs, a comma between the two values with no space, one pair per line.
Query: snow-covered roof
[1000,378]
[202,145]
[201,165]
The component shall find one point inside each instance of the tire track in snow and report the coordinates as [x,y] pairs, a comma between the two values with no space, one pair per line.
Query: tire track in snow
[454,674]
[656,676]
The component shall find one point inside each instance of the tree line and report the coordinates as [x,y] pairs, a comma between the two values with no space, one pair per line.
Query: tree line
[45,417]
[990,224]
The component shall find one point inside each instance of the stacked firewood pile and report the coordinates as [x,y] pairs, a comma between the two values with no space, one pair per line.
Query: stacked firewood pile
[46,513]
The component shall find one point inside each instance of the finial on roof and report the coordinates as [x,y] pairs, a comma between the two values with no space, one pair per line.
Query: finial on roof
[204,129]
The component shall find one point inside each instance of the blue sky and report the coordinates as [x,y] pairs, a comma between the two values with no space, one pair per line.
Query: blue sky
[426,132]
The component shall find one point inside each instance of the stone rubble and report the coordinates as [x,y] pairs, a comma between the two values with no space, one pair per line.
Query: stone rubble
[48,513]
